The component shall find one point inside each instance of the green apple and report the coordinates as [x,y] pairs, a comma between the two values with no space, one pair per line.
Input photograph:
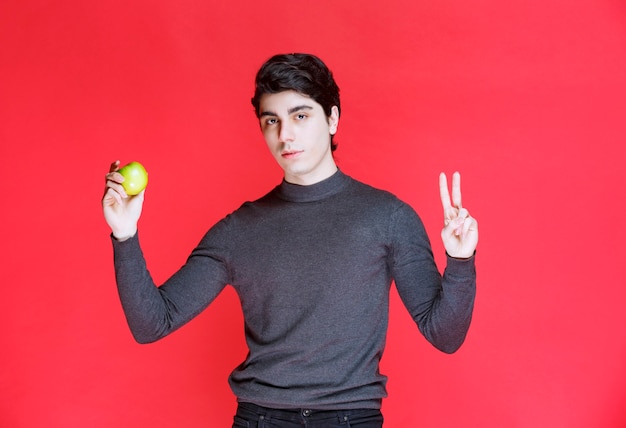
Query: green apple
[135,178]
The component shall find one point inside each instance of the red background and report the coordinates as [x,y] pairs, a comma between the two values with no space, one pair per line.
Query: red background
[525,98]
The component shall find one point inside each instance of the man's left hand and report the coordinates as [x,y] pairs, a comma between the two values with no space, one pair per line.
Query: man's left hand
[460,231]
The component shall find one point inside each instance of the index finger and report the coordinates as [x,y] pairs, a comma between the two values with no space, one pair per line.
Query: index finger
[114,166]
[113,175]
[443,191]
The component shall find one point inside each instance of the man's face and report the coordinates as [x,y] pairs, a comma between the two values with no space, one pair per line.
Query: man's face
[297,132]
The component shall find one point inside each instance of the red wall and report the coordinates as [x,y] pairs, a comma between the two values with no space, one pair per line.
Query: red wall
[525,98]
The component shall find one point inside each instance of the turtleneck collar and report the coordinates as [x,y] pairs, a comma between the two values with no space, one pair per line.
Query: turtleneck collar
[314,192]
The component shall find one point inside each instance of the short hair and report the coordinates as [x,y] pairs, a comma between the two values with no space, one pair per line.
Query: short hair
[300,72]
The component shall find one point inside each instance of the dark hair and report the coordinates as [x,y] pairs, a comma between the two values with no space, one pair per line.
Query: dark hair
[303,73]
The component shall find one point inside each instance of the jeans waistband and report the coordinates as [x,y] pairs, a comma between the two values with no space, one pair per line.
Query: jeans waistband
[296,415]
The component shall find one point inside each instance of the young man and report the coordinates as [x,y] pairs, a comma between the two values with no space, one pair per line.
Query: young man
[312,262]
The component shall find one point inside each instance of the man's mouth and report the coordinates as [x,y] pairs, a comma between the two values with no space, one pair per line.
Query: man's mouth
[291,154]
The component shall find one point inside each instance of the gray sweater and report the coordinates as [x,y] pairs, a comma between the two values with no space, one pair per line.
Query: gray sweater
[312,266]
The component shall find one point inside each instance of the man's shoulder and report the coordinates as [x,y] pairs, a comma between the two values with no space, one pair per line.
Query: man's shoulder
[370,191]
[385,201]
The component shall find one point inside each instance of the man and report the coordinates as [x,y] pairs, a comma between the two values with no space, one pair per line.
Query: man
[312,262]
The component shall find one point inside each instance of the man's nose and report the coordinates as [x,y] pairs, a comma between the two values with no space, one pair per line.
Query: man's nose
[286,133]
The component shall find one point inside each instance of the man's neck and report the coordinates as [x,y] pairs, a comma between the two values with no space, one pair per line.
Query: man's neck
[313,177]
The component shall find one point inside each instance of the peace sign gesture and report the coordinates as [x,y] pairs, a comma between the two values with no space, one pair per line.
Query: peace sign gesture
[460,231]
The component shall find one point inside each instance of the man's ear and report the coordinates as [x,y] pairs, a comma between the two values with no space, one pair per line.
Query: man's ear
[333,119]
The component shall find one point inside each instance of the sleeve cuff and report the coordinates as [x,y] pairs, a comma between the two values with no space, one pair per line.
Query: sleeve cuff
[127,247]
[462,266]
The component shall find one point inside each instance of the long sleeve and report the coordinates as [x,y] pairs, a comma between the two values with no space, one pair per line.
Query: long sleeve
[153,312]
[441,306]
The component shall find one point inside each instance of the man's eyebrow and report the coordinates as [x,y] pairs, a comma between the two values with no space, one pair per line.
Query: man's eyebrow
[298,108]
[290,111]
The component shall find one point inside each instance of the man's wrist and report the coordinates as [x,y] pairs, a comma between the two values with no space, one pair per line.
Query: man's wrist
[461,258]
[123,236]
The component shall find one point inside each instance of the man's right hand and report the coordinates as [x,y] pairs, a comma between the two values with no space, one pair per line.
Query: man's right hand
[121,211]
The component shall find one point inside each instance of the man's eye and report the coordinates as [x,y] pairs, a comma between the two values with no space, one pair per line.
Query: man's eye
[270,121]
[301,116]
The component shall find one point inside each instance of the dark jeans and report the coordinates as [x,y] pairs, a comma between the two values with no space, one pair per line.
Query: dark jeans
[253,416]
